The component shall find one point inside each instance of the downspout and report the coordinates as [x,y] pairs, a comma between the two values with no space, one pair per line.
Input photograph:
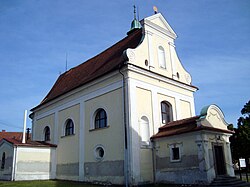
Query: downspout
[154,160]
[126,166]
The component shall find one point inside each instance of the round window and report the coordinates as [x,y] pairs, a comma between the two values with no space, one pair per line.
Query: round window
[99,153]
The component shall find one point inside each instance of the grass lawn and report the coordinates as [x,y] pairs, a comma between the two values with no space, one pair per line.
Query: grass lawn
[44,184]
[55,183]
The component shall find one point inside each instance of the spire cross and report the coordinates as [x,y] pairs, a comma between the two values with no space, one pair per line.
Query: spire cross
[134,12]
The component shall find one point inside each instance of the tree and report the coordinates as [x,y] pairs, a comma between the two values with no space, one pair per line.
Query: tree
[240,141]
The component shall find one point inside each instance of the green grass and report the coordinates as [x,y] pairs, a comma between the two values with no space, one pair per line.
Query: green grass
[50,183]
[57,183]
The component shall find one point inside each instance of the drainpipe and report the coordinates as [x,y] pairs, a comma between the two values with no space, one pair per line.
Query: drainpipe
[126,166]
[24,126]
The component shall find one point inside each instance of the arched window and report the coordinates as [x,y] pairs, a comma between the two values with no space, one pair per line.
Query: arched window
[3,161]
[46,133]
[100,119]
[161,57]
[166,112]
[69,127]
[144,129]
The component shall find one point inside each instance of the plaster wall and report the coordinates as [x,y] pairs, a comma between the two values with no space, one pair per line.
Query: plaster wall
[111,138]
[34,163]
[68,146]
[66,152]
[171,100]
[159,33]
[6,172]
[144,109]
[215,118]
[41,124]
[185,171]
[185,109]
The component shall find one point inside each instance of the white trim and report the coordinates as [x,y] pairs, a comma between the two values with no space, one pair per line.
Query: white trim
[161,78]
[86,97]
[134,132]
[81,141]
[56,137]
[93,115]
[150,51]
[177,108]
[166,91]
[16,159]
[192,107]
[155,111]
[159,29]
[13,172]
[50,133]
[97,157]
[64,127]
[175,145]
[163,20]
[172,62]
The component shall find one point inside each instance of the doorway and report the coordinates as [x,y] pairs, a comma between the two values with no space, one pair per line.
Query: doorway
[219,160]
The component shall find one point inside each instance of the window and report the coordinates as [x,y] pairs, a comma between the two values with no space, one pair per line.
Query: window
[100,119]
[175,152]
[3,161]
[161,57]
[166,112]
[69,127]
[99,152]
[46,133]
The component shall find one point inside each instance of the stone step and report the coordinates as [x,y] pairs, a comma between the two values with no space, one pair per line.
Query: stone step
[221,181]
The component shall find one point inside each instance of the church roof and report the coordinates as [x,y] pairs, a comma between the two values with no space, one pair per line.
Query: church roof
[184,126]
[103,63]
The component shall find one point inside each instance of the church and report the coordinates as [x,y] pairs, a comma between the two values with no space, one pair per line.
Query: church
[126,116]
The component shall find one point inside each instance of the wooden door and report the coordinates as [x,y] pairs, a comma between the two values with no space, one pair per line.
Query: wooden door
[219,160]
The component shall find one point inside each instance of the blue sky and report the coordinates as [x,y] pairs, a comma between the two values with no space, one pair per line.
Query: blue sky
[213,44]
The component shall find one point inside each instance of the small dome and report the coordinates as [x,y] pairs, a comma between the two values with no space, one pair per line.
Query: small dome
[135,23]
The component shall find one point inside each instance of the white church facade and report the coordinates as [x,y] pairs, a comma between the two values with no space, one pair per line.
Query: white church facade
[125,116]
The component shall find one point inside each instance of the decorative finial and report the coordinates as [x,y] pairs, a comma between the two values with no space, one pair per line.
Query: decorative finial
[135,23]
[134,12]
[155,9]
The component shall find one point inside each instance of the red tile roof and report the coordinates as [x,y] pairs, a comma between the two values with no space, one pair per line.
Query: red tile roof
[29,143]
[105,62]
[184,126]
[15,138]
[15,135]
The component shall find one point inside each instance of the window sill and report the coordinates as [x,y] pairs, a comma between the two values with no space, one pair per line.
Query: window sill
[68,136]
[98,129]
[162,68]
[173,161]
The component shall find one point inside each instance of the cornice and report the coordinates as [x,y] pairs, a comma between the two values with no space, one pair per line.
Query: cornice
[159,77]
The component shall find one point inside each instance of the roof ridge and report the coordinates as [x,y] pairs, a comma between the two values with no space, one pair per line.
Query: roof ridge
[99,65]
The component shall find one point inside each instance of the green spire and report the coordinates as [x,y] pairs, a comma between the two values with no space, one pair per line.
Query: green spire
[135,23]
